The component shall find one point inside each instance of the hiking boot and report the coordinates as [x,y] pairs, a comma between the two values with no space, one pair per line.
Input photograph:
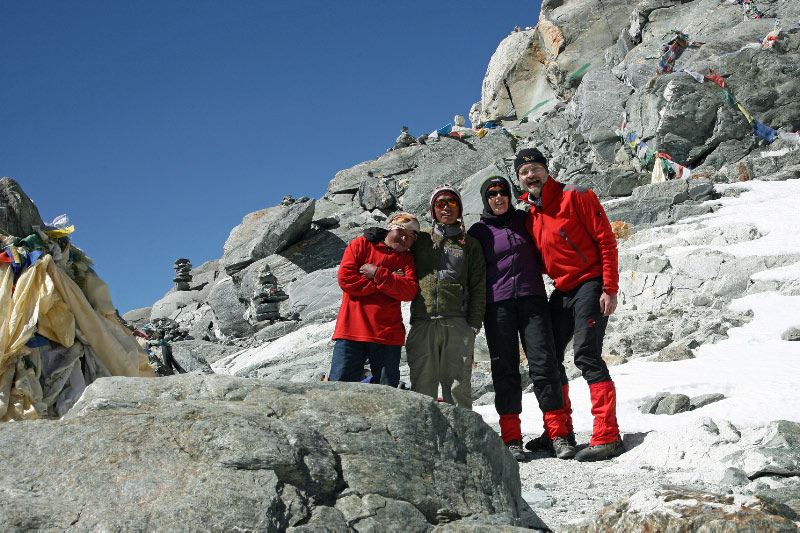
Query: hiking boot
[562,448]
[515,447]
[601,452]
[543,443]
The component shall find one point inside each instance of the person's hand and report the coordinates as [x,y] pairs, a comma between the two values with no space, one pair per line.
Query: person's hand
[399,272]
[608,304]
[367,270]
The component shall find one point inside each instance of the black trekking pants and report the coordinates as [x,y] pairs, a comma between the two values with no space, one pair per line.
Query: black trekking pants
[506,323]
[576,314]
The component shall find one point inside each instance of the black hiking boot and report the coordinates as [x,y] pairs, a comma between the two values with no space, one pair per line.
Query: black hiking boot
[601,452]
[515,447]
[562,448]
[542,443]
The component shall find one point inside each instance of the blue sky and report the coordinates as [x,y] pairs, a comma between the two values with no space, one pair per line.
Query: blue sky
[156,126]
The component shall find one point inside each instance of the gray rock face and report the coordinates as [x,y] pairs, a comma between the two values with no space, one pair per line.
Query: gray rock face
[654,203]
[393,163]
[318,290]
[18,214]
[174,303]
[137,317]
[597,107]
[377,192]
[453,161]
[546,64]
[266,232]
[229,310]
[672,508]
[241,454]
[198,354]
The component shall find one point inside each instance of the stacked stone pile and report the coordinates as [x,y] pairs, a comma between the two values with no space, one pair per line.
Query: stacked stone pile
[169,330]
[266,295]
[183,274]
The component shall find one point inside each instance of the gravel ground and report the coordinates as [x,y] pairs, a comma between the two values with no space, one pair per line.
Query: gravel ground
[560,491]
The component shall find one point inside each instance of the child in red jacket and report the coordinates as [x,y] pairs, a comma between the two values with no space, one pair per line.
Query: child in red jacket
[376,274]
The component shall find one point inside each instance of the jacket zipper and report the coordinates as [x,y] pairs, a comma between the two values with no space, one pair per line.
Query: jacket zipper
[438,265]
[513,262]
[572,244]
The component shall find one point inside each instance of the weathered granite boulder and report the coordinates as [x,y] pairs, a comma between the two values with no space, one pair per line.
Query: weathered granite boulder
[197,354]
[266,232]
[539,67]
[679,352]
[675,508]
[597,107]
[673,404]
[315,291]
[18,213]
[228,309]
[174,303]
[233,453]
[376,192]
[653,203]
[137,317]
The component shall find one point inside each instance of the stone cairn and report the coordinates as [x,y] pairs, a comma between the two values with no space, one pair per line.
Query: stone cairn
[405,139]
[265,302]
[291,200]
[183,274]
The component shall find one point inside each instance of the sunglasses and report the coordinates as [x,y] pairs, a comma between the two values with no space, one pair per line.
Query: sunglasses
[444,202]
[495,192]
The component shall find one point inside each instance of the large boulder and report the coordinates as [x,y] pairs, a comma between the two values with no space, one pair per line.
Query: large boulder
[222,453]
[266,232]
[18,213]
[138,317]
[174,303]
[533,70]
[228,310]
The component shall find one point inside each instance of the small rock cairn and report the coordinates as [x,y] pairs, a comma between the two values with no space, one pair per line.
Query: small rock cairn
[183,274]
[265,303]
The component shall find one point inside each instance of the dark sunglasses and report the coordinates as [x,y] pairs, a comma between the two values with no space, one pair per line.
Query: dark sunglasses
[440,204]
[495,192]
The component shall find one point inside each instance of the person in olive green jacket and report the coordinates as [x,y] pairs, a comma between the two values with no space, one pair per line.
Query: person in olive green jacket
[448,310]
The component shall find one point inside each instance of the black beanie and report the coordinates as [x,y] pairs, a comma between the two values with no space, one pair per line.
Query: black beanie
[528,155]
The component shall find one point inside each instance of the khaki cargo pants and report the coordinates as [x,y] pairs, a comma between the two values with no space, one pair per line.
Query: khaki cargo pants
[440,352]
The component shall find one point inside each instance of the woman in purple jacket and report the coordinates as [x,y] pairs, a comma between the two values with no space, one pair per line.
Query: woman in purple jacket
[517,310]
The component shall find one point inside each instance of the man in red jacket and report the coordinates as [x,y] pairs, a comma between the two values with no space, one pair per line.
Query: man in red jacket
[579,252]
[376,274]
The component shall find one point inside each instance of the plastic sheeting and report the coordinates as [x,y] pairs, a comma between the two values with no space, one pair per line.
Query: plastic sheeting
[45,298]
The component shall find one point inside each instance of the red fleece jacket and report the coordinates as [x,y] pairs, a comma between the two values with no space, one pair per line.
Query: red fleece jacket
[574,235]
[370,310]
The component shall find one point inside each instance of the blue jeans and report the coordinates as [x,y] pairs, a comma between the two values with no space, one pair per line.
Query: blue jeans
[349,358]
